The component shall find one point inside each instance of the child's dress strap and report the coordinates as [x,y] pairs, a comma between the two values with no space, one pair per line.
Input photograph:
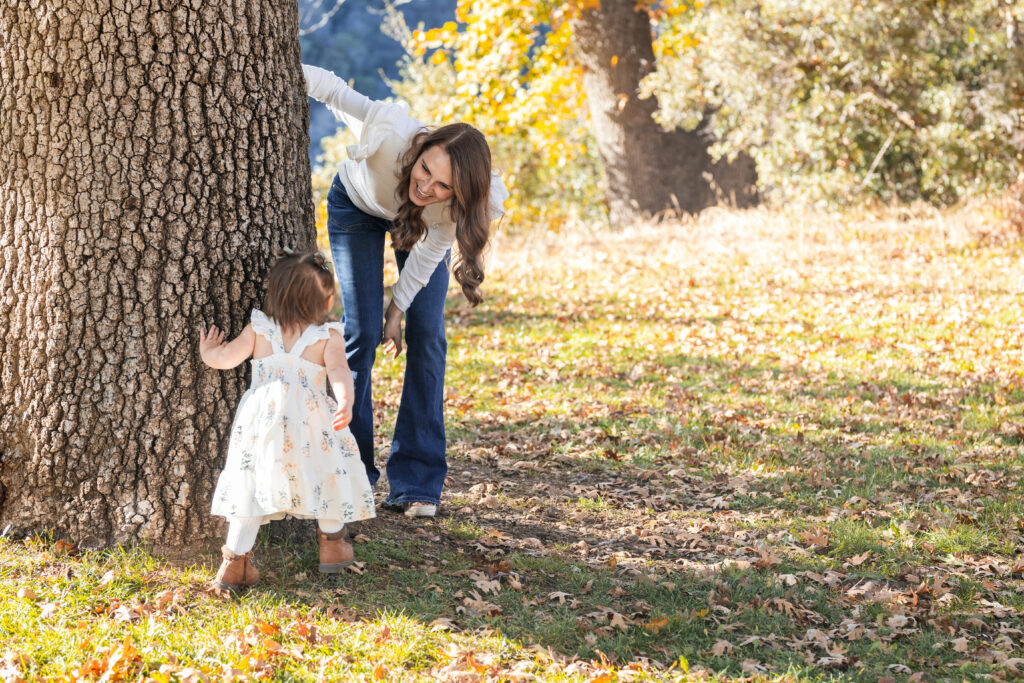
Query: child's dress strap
[313,334]
[263,324]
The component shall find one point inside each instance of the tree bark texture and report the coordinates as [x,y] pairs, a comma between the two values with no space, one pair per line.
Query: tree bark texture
[152,156]
[647,168]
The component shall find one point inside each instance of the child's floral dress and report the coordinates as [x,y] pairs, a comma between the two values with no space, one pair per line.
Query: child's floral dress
[284,458]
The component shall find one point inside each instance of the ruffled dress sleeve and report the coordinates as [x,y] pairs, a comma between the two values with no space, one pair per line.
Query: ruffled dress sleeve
[313,334]
[320,332]
[336,326]
[265,325]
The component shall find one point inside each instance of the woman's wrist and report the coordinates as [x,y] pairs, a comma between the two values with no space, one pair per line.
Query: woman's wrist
[393,311]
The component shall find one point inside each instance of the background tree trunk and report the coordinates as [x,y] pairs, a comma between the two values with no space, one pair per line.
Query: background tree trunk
[152,156]
[647,168]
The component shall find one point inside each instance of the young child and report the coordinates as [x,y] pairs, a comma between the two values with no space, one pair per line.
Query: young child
[290,451]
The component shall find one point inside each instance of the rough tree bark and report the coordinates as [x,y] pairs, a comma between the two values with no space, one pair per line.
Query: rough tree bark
[647,168]
[152,156]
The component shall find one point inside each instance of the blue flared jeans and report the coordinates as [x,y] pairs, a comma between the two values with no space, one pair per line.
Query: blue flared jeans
[416,466]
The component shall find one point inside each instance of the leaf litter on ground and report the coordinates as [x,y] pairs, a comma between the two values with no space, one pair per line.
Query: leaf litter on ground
[750,445]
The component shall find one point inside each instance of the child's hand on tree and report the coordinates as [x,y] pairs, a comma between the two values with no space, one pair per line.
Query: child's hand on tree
[209,340]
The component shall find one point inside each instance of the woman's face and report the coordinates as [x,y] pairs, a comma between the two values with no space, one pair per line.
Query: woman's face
[431,179]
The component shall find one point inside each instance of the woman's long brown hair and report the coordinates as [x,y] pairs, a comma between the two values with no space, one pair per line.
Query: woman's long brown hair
[471,183]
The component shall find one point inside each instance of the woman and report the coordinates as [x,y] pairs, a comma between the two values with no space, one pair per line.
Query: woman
[430,189]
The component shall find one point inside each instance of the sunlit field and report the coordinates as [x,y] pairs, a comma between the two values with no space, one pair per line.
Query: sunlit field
[760,445]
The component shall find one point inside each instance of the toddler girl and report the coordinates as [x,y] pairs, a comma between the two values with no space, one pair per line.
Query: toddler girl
[290,451]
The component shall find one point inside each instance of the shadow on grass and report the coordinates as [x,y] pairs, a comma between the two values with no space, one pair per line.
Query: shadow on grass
[720,615]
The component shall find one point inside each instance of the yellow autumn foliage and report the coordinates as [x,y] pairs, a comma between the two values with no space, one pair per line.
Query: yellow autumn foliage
[508,68]
[505,67]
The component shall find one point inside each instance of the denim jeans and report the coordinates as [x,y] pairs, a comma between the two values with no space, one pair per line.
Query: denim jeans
[416,466]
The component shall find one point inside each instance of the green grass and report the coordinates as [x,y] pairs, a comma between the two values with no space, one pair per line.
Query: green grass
[733,449]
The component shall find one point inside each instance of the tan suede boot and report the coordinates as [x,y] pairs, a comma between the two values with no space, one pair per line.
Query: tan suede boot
[236,571]
[335,552]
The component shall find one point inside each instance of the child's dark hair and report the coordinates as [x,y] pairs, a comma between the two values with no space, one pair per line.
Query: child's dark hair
[298,288]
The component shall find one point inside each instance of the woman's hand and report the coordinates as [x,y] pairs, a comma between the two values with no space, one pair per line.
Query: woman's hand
[392,337]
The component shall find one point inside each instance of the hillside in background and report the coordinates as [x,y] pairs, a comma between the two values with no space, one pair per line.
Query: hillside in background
[352,45]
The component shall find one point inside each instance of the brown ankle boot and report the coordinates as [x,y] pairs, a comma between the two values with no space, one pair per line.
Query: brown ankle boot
[236,571]
[335,552]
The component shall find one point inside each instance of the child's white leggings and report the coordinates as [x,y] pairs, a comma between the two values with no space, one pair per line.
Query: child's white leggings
[242,532]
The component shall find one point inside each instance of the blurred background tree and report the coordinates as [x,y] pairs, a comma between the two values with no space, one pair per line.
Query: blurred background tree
[836,104]
[556,88]
[842,102]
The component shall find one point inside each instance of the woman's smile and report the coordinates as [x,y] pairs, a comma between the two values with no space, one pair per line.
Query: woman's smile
[431,178]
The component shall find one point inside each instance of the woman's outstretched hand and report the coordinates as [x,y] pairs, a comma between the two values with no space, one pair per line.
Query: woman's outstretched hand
[392,337]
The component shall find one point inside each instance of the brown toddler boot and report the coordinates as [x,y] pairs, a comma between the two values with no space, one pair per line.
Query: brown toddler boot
[236,571]
[335,552]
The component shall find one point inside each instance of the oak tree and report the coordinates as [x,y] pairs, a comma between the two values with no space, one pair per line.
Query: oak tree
[153,155]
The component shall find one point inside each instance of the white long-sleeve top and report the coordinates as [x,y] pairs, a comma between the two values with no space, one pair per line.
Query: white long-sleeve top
[370,173]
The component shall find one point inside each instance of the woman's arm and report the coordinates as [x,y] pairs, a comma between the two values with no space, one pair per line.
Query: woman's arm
[419,267]
[221,356]
[340,378]
[421,264]
[345,103]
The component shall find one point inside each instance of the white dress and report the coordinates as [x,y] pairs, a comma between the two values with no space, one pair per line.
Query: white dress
[284,458]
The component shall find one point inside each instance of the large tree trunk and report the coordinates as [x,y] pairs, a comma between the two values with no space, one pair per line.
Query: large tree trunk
[152,156]
[647,168]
